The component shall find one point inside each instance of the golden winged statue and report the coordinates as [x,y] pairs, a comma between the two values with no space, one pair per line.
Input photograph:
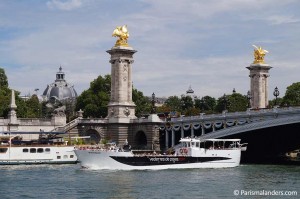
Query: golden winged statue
[123,34]
[259,55]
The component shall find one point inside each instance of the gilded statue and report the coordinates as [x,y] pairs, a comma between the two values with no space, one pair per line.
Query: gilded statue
[123,34]
[259,55]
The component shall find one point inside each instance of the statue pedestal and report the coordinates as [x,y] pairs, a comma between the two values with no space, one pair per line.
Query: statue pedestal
[59,120]
[154,118]
[259,74]
[121,108]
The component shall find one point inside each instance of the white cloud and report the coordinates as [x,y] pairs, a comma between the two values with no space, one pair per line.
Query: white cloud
[64,5]
[282,19]
[205,44]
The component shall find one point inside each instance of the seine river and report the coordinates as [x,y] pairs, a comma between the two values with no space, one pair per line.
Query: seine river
[70,181]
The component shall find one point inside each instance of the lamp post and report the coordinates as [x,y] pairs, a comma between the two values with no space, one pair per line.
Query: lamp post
[225,102]
[249,98]
[153,104]
[276,94]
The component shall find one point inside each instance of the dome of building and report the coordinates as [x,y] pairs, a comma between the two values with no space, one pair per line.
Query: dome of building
[190,91]
[60,89]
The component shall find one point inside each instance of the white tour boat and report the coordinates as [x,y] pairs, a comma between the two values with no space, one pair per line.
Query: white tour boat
[190,153]
[14,151]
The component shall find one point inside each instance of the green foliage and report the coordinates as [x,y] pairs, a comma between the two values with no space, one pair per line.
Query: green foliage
[232,103]
[4,94]
[238,102]
[3,79]
[192,111]
[186,103]
[206,104]
[174,103]
[143,104]
[94,100]
[292,95]
[278,102]
[33,107]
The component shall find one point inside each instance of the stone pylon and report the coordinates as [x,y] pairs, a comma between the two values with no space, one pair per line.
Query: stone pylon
[12,115]
[259,73]
[121,108]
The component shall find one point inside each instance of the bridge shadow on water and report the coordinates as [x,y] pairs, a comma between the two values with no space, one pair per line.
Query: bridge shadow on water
[269,145]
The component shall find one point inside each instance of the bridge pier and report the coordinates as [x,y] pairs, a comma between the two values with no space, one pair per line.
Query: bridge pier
[173,137]
[167,138]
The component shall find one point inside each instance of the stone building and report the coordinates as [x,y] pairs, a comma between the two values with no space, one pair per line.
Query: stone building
[60,89]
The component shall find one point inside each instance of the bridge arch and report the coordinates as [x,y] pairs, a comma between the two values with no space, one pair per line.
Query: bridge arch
[140,140]
[95,136]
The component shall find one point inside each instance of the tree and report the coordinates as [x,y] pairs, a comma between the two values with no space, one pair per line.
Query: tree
[34,107]
[186,103]
[238,102]
[174,103]
[143,104]
[206,104]
[232,103]
[292,95]
[3,79]
[94,100]
[4,94]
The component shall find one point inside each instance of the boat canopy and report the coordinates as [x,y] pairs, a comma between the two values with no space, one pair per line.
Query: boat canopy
[205,140]
[224,140]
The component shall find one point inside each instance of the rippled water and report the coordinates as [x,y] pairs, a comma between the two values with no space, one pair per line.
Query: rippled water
[70,181]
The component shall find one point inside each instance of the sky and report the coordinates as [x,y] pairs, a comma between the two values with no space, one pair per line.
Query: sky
[203,44]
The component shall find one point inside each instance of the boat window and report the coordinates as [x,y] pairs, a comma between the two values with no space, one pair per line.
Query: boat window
[58,157]
[25,150]
[32,150]
[40,150]
[71,156]
[198,144]
[47,149]
[65,157]
[193,144]
[3,150]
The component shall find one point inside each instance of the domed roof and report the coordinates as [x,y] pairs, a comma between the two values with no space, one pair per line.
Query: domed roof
[60,89]
[190,90]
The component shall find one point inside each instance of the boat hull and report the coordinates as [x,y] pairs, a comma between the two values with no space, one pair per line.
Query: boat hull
[17,155]
[93,159]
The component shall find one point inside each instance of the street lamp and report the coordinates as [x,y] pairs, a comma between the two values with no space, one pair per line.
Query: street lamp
[276,94]
[225,101]
[249,98]
[153,104]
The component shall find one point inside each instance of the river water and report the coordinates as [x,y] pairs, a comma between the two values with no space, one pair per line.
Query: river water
[71,182]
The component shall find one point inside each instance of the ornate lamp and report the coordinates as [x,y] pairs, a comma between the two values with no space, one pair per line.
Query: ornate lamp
[249,98]
[276,94]
[153,104]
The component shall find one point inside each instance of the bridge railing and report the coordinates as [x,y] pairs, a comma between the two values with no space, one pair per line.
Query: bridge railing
[275,112]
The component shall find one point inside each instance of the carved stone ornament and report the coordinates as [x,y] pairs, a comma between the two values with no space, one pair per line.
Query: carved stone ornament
[125,67]
[112,112]
[127,111]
